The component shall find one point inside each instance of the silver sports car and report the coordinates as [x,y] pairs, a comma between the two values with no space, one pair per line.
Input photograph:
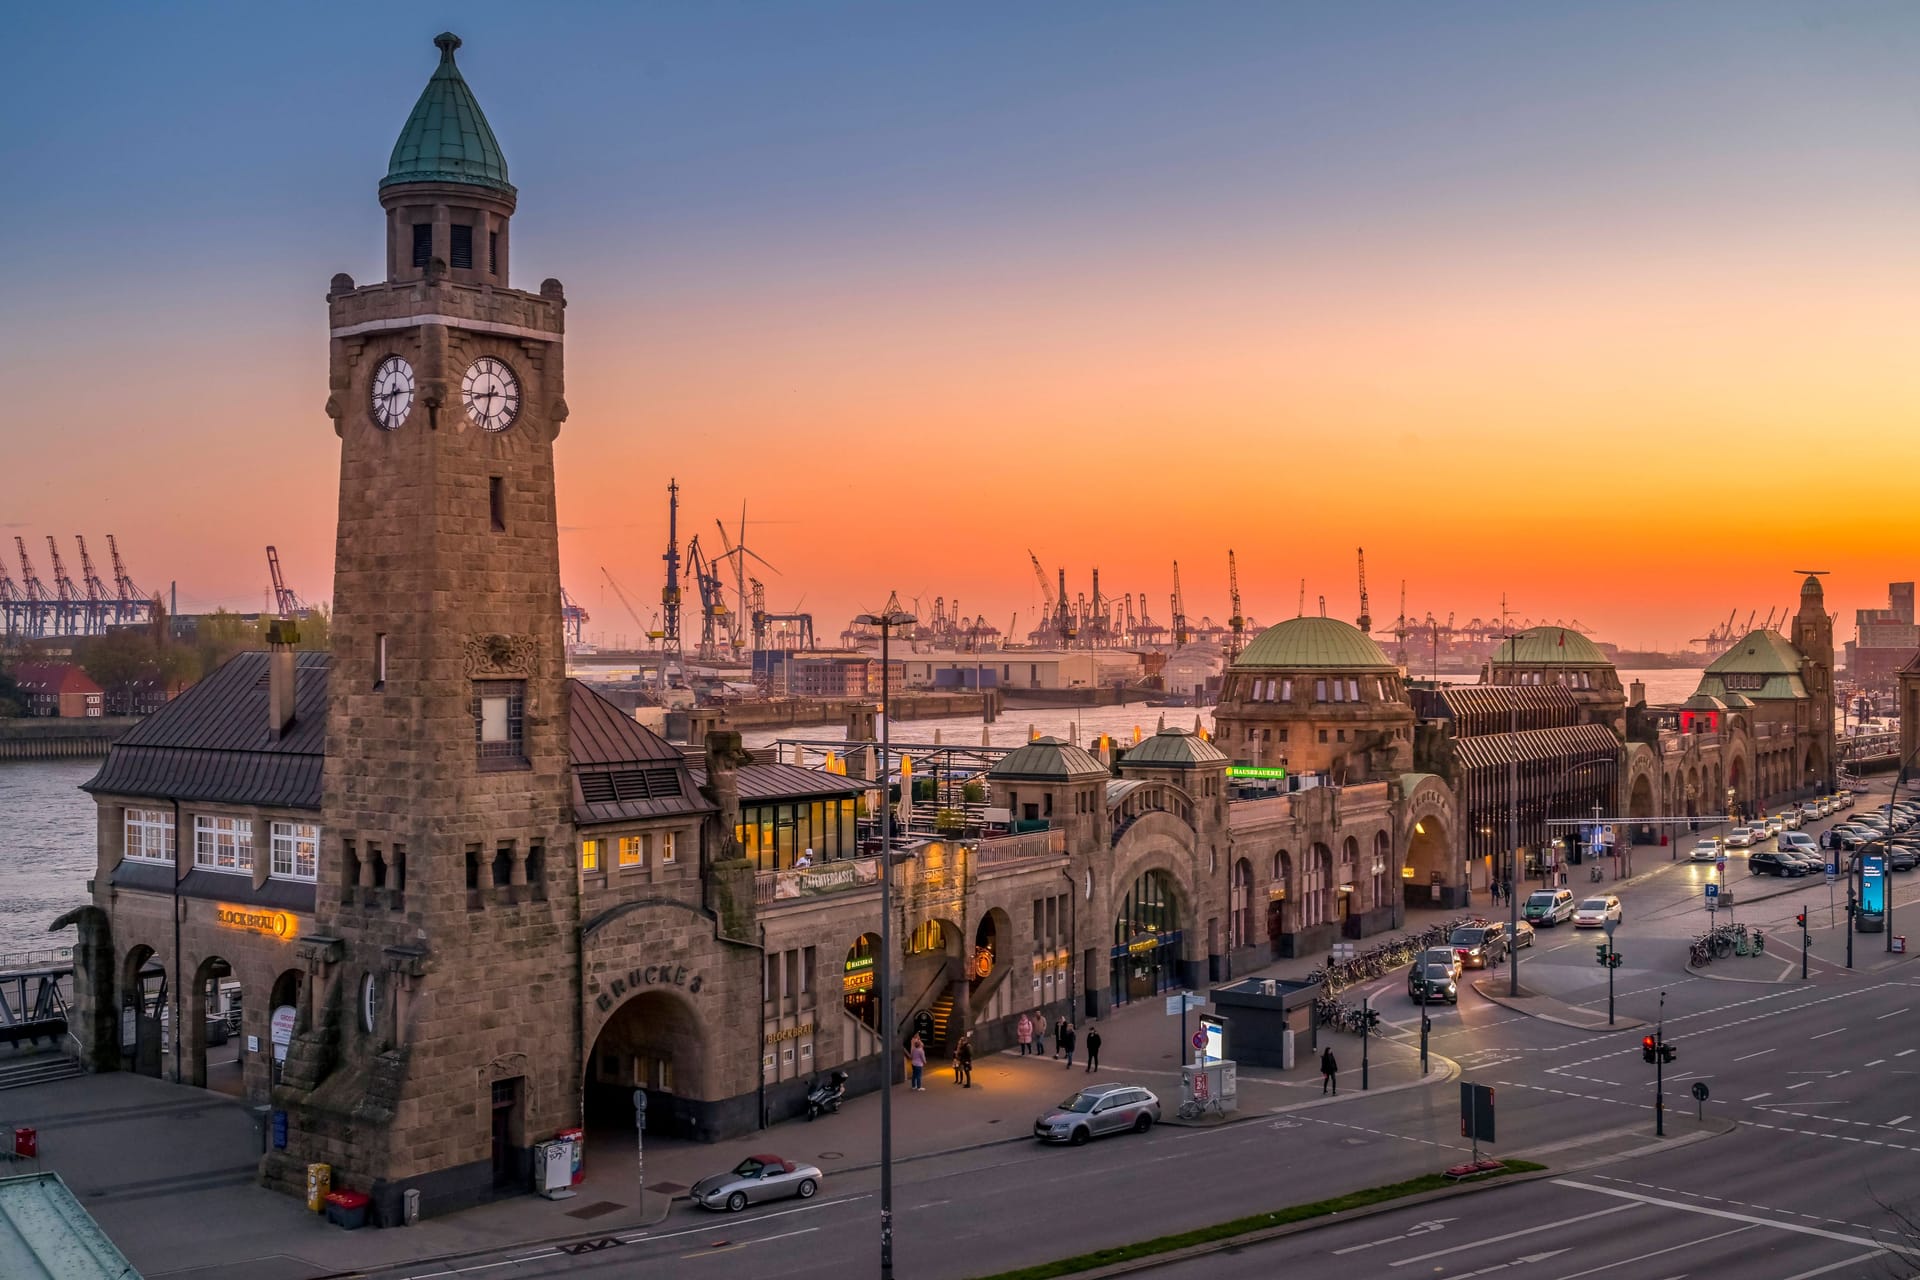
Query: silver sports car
[754,1180]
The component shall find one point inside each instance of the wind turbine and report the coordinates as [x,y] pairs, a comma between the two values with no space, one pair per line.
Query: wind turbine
[736,550]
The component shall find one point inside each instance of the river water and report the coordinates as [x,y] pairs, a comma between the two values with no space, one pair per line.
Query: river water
[47,822]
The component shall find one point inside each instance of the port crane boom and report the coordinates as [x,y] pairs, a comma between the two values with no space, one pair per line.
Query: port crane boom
[1179,611]
[1236,624]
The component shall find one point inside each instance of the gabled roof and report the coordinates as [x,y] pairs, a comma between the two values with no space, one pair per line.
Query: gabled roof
[53,677]
[212,744]
[1764,650]
[447,138]
[1048,760]
[1305,643]
[1174,749]
[623,770]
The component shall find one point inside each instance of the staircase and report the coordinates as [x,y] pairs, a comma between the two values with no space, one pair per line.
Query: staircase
[39,1068]
[942,1012]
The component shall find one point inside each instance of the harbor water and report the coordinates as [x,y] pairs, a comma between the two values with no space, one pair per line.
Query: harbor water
[47,823]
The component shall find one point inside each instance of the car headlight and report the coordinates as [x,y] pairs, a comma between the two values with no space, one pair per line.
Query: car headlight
[1476,951]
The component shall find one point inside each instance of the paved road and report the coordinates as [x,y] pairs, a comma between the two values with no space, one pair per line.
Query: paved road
[1818,1079]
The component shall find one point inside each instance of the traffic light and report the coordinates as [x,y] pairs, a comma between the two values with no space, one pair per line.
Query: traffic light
[1373,1019]
[1801,919]
[1668,1053]
[1613,961]
[1648,1050]
[1600,953]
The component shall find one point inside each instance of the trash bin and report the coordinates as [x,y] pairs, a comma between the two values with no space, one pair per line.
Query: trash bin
[319,1183]
[1899,949]
[26,1143]
[347,1209]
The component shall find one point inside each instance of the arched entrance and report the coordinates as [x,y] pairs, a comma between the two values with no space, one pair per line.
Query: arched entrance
[284,1017]
[1640,800]
[652,1042]
[861,996]
[213,1054]
[145,1016]
[1278,893]
[1380,871]
[1427,862]
[931,962]
[1145,959]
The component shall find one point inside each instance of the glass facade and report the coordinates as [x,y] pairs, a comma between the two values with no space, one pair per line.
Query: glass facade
[1145,958]
[773,835]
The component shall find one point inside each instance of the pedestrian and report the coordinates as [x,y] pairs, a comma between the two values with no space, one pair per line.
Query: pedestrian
[1093,1049]
[917,1058]
[1039,1034]
[964,1061]
[1060,1035]
[1329,1078]
[1067,1039]
[1024,1034]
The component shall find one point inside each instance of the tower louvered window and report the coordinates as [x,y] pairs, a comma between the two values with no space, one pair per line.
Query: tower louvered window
[461,253]
[422,243]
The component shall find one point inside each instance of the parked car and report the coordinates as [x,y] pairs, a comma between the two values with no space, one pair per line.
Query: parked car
[1099,1109]
[1429,982]
[1740,838]
[1548,906]
[1594,913]
[1767,862]
[756,1180]
[1798,840]
[1441,955]
[1793,819]
[1707,850]
[1774,826]
[1902,857]
[1522,935]
[1478,946]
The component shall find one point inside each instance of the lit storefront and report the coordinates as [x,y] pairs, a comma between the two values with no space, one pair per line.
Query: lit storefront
[1145,958]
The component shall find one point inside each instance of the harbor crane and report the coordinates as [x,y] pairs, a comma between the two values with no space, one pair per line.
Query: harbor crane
[757,598]
[1236,624]
[669,594]
[130,603]
[39,599]
[573,618]
[713,602]
[1366,610]
[1179,612]
[97,599]
[1400,627]
[67,619]
[286,604]
[621,596]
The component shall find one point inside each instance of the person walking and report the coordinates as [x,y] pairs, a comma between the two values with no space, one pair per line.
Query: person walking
[1060,1035]
[1067,1039]
[917,1059]
[1039,1034]
[1329,1072]
[963,1061]
[1023,1032]
[1093,1049]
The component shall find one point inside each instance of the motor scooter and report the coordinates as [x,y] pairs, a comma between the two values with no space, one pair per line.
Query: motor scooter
[824,1098]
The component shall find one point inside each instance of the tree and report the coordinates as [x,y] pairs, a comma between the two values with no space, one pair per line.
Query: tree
[119,658]
[11,703]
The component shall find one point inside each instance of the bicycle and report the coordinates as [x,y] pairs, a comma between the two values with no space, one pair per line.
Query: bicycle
[1196,1108]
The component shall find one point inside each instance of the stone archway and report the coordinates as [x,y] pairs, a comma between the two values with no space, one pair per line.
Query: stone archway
[1282,911]
[145,1012]
[210,1045]
[1240,905]
[1150,922]
[1429,859]
[1640,799]
[653,1041]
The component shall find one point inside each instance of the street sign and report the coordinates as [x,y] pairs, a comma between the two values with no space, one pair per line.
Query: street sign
[1713,891]
[1199,1039]
[1610,926]
[1185,1001]
[1699,1090]
[1476,1112]
[1833,872]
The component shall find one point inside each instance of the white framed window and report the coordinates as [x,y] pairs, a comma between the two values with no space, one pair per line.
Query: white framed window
[633,851]
[223,844]
[149,835]
[1286,690]
[666,848]
[1353,691]
[296,850]
[1319,690]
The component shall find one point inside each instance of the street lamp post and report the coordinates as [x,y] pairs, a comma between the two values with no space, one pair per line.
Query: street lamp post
[886,620]
[1513,843]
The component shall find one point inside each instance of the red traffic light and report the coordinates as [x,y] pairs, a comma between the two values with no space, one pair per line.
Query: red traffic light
[1646,1042]
[1801,919]
[1648,1052]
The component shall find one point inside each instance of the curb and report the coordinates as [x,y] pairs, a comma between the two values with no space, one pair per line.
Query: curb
[1449,1070]
[1507,1002]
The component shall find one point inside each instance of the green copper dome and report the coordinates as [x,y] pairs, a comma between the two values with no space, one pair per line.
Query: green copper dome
[1549,647]
[447,138]
[1174,749]
[1303,643]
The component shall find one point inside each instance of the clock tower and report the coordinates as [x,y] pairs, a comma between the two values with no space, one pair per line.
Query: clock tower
[439,1035]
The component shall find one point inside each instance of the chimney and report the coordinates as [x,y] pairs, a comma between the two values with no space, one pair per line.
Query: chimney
[282,635]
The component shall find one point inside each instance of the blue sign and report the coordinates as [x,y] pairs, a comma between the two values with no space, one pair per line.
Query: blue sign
[279,1131]
[1833,872]
[1713,891]
[1873,884]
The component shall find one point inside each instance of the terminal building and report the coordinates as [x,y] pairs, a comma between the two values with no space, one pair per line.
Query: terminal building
[458,904]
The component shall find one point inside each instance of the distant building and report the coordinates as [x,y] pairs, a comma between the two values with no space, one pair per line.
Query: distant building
[58,689]
[1885,639]
[833,676]
[1024,669]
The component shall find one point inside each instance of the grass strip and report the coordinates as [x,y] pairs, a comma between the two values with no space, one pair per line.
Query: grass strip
[1257,1222]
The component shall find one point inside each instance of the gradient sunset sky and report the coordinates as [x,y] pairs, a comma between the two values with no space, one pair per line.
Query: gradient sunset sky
[1613,308]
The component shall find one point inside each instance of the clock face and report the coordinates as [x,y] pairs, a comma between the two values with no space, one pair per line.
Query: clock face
[492,394]
[392,393]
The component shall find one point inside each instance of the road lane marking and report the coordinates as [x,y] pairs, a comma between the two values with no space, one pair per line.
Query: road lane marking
[1729,1215]
[1756,1097]
[1824,1034]
[1418,1229]
[1896,1013]
[1511,1235]
[1903,1053]
[1835,1266]
[1803,1084]
[638,1237]
[1876,1062]
[1594,1271]
[1898,1120]
[1744,1057]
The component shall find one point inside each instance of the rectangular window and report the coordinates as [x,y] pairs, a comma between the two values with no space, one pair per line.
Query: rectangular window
[1319,690]
[422,243]
[1283,735]
[497,502]
[296,850]
[223,844]
[632,851]
[666,849]
[380,660]
[149,835]
[1286,690]
[461,254]
[806,975]
[1353,691]
[498,709]
[589,855]
[493,253]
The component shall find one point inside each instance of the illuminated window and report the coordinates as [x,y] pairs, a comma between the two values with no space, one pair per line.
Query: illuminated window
[589,855]
[296,850]
[666,849]
[632,851]
[149,835]
[223,844]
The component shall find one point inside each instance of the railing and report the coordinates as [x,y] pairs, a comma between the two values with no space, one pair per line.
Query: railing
[999,851]
[43,958]
[797,884]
